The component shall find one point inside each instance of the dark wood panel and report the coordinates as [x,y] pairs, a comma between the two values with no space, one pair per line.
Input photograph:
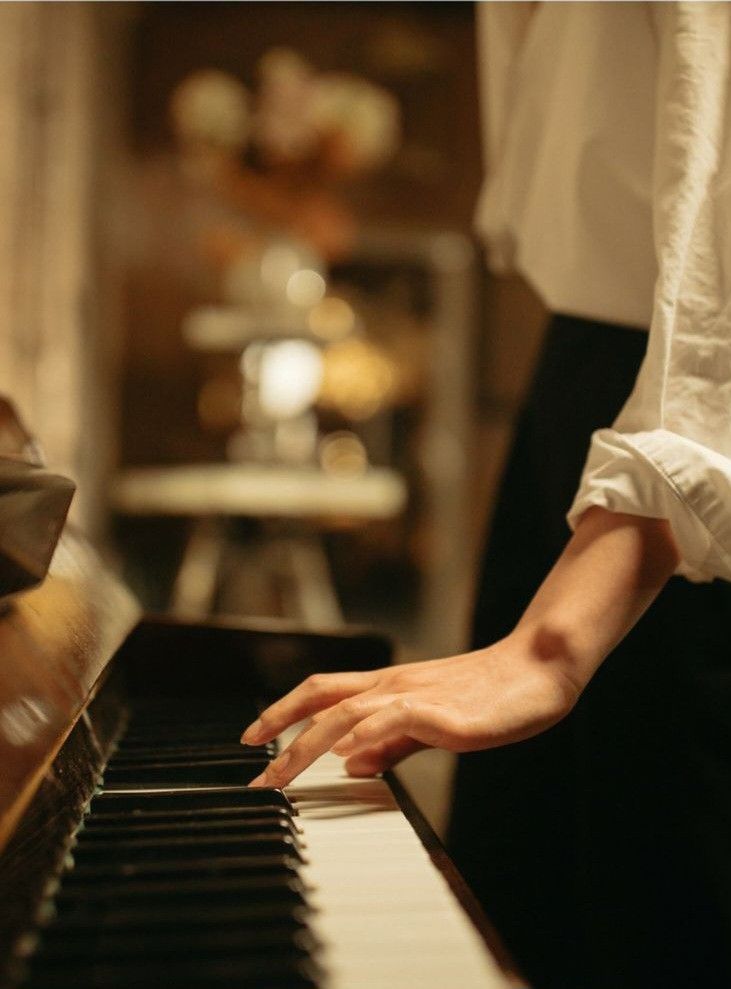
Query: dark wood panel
[264,658]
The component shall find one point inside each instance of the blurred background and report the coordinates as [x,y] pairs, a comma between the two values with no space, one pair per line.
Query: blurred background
[241,304]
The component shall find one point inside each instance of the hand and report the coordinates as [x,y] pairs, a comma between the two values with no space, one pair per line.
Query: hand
[473,701]
[610,571]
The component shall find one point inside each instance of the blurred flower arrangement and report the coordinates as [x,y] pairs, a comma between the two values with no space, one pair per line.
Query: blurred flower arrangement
[344,123]
[277,158]
[280,153]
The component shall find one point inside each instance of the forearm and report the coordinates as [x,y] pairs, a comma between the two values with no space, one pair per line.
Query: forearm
[610,572]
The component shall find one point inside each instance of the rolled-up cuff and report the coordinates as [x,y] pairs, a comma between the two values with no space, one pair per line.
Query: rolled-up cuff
[658,474]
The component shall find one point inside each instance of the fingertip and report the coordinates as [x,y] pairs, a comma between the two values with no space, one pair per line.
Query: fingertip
[355,767]
[252,733]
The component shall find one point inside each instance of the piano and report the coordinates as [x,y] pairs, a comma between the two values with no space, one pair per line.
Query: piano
[132,852]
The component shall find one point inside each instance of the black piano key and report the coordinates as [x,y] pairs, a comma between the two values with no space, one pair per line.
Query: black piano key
[195,846]
[272,824]
[63,945]
[189,710]
[192,706]
[99,820]
[276,970]
[108,915]
[157,757]
[170,742]
[154,744]
[171,753]
[168,717]
[189,798]
[162,894]
[179,740]
[229,865]
[221,731]
[203,772]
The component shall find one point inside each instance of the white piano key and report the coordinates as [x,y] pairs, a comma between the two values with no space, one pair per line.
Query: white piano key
[385,914]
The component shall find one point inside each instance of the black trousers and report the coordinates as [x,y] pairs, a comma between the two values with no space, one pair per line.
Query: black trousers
[601,849]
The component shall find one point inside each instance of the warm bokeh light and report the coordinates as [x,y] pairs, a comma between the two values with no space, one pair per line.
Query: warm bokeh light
[342,453]
[278,263]
[211,108]
[306,288]
[358,379]
[331,319]
[290,373]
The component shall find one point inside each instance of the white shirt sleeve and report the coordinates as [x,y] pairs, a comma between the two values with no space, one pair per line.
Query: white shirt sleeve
[668,454]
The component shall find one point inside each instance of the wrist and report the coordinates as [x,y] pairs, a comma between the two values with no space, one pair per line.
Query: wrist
[544,657]
[550,644]
[611,570]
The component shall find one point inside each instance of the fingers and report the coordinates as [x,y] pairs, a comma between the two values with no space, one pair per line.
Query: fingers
[365,720]
[318,739]
[404,716]
[314,694]
[378,758]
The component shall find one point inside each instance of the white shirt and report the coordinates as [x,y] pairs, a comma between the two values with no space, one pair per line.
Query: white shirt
[608,132]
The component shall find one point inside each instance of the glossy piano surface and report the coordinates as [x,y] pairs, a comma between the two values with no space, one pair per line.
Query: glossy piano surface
[55,638]
[55,641]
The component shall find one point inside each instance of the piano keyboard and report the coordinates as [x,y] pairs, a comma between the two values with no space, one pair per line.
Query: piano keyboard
[181,875]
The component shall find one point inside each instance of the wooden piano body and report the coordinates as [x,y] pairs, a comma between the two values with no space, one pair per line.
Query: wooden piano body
[128,838]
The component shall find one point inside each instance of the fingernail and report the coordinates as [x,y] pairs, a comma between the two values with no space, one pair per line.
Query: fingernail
[251,732]
[355,768]
[260,780]
[341,747]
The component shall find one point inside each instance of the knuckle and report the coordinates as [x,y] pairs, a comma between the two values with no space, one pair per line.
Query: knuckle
[404,706]
[294,753]
[353,707]
[398,677]
[316,682]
